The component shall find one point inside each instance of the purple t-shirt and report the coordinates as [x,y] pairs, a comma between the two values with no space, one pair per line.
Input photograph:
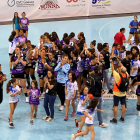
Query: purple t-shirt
[21,39]
[19,68]
[33,93]
[24,22]
[41,67]
[62,42]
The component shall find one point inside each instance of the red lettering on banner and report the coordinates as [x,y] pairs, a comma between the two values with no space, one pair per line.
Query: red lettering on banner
[49,5]
[69,1]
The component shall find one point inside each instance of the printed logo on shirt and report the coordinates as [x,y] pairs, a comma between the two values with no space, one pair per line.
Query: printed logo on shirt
[20,3]
[49,5]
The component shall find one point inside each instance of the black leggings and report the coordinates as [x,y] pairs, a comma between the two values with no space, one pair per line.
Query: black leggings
[61,92]
[1,94]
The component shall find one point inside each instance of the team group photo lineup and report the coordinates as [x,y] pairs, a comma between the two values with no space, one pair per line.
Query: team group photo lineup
[67,78]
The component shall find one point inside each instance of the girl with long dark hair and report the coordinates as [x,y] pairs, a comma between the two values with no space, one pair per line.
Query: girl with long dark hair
[16,23]
[89,114]
[50,95]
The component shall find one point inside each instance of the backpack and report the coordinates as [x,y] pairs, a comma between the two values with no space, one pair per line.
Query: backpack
[124,83]
[90,83]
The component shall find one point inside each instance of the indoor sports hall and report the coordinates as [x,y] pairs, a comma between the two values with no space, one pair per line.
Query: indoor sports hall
[99,20]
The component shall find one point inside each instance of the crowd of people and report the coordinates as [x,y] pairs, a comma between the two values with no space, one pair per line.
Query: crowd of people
[72,70]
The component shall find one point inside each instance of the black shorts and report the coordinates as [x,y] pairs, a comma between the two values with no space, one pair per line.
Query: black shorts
[132,77]
[85,73]
[1,93]
[41,75]
[138,94]
[10,54]
[121,99]
[27,67]
[33,65]
[131,33]
[19,75]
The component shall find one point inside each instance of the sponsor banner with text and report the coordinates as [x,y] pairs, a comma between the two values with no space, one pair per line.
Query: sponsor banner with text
[43,9]
[103,7]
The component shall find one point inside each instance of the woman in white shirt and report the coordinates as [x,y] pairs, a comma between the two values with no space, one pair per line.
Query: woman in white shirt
[135,40]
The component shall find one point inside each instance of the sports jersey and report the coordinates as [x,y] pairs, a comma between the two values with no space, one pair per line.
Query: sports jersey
[81,108]
[122,54]
[73,65]
[71,87]
[58,56]
[33,93]
[62,76]
[41,68]
[86,62]
[132,23]
[48,45]
[12,91]
[19,68]
[24,22]
[133,42]
[91,67]
[62,42]
[21,39]
[134,64]
[90,114]
[51,63]
[12,45]
[71,43]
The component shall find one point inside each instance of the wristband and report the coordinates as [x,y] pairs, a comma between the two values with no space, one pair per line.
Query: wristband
[42,42]
[46,63]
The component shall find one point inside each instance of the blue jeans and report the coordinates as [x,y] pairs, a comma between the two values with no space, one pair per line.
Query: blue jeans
[99,115]
[49,104]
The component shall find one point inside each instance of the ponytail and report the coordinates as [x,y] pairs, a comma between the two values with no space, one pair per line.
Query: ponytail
[136,37]
[13,80]
[12,36]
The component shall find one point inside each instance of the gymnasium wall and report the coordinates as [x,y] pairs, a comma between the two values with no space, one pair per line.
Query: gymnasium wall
[44,9]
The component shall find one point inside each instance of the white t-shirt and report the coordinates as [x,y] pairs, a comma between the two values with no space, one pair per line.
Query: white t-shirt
[14,90]
[79,66]
[122,54]
[81,108]
[133,42]
[12,46]
[134,64]
[91,114]
[71,87]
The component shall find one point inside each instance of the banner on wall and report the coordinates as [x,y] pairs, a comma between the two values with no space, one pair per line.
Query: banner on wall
[43,9]
[103,7]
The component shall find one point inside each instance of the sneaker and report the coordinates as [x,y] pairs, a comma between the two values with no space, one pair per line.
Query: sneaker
[76,123]
[34,115]
[72,137]
[103,125]
[59,105]
[61,108]
[31,122]
[49,119]
[122,119]
[66,118]
[73,114]
[46,117]
[27,99]
[110,91]
[114,121]
[11,125]
[133,90]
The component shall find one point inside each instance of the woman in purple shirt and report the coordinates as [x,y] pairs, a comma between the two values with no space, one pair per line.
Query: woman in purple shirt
[24,23]
[21,38]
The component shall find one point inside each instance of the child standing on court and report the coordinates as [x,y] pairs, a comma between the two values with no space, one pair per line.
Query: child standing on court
[34,93]
[70,92]
[14,92]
